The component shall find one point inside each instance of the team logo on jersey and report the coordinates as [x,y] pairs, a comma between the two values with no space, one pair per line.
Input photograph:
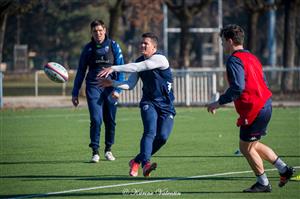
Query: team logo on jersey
[101,60]
[145,107]
[253,139]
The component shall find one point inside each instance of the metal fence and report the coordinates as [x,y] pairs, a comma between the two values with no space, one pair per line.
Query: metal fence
[191,87]
[199,86]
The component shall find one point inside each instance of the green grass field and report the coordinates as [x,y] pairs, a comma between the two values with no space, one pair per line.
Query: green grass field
[46,151]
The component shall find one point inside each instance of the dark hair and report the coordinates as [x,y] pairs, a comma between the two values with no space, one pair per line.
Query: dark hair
[97,22]
[152,36]
[234,32]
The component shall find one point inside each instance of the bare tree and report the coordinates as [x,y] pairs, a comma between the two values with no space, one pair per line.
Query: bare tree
[291,10]
[137,15]
[115,12]
[184,12]
[145,13]
[4,7]
[140,16]
[256,8]
[8,7]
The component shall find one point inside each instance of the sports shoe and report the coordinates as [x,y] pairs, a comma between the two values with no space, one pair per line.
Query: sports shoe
[109,156]
[286,176]
[238,153]
[134,168]
[95,158]
[257,187]
[148,168]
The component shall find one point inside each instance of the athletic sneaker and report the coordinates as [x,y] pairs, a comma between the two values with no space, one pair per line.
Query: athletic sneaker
[257,187]
[109,156]
[134,168]
[95,158]
[286,176]
[148,168]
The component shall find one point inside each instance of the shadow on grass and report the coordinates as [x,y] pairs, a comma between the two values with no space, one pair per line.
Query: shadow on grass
[131,192]
[44,162]
[62,195]
[214,156]
[49,162]
[116,194]
[130,157]
[123,178]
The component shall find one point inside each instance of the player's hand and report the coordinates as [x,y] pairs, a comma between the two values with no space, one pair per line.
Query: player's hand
[75,101]
[115,95]
[105,72]
[212,107]
[105,82]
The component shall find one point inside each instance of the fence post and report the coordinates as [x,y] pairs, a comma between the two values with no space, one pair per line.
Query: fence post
[187,88]
[36,81]
[214,87]
[1,90]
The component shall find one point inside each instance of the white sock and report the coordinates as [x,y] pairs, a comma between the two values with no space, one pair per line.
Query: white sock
[262,179]
[280,165]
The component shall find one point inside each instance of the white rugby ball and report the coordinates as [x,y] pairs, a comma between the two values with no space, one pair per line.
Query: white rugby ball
[56,72]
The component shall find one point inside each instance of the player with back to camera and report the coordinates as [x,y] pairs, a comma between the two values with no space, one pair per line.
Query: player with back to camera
[99,53]
[156,106]
[252,99]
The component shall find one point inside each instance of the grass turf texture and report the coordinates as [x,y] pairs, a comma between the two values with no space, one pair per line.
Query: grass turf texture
[46,150]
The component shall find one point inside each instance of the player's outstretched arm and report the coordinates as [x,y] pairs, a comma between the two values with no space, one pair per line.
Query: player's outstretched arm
[155,61]
[127,85]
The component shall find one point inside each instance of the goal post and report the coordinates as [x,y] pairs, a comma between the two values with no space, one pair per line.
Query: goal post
[40,78]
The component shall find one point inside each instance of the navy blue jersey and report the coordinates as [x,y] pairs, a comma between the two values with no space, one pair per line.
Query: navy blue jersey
[235,75]
[93,58]
[157,88]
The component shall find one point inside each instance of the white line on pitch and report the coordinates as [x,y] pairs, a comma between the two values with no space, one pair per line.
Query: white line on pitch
[137,183]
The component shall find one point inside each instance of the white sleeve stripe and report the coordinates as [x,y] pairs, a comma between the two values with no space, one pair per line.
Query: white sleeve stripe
[155,61]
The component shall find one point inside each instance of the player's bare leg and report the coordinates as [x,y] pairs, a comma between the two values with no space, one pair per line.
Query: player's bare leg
[255,161]
[269,155]
[266,152]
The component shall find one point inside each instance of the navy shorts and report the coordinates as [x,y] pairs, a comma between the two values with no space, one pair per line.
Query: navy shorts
[253,132]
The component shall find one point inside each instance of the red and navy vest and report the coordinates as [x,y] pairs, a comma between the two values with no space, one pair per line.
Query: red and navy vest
[256,92]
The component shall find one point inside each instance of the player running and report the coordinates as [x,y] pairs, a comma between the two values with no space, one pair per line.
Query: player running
[156,105]
[252,99]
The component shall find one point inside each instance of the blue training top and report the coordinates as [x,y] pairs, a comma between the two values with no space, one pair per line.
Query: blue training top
[157,88]
[94,57]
